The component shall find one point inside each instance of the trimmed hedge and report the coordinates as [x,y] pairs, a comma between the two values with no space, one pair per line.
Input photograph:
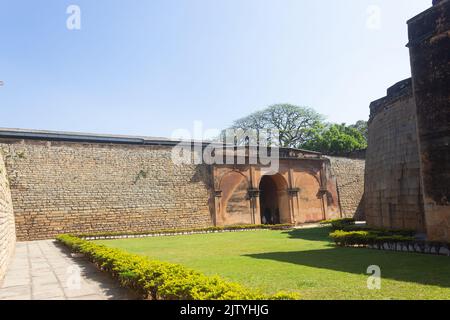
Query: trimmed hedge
[339,224]
[185,231]
[158,280]
[381,231]
[389,240]
[360,238]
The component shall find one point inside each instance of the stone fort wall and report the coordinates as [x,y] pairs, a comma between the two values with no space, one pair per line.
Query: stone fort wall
[393,196]
[7,230]
[66,187]
[407,169]
[429,46]
[75,183]
[349,174]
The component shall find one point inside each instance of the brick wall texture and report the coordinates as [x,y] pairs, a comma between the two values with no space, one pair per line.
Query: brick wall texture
[63,187]
[349,175]
[393,197]
[7,230]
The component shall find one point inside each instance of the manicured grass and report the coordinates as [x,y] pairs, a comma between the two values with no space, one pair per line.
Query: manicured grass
[304,261]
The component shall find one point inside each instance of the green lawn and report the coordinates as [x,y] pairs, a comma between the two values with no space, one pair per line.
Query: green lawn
[302,260]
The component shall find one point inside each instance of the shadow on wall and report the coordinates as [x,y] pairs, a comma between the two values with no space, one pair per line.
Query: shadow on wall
[359,214]
[203,174]
[407,267]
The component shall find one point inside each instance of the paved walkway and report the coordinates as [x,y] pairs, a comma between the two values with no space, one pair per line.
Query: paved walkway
[45,270]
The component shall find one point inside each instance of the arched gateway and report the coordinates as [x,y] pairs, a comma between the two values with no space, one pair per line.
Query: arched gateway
[274,200]
[302,190]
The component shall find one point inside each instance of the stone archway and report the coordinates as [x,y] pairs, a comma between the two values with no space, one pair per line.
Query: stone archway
[274,200]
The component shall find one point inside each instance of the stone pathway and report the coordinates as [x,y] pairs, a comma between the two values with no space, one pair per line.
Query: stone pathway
[45,270]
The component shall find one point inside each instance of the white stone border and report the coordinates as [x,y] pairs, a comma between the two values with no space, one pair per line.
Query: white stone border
[406,247]
[163,234]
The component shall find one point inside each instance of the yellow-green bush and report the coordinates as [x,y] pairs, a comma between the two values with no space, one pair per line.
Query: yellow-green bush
[381,231]
[162,280]
[345,238]
[339,224]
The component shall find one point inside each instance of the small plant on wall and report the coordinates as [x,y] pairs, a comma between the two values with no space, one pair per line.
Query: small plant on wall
[10,156]
[20,154]
[141,175]
[16,155]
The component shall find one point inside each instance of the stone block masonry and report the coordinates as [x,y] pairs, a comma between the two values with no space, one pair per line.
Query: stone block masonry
[349,175]
[82,183]
[429,45]
[408,159]
[67,187]
[7,230]
[393,195]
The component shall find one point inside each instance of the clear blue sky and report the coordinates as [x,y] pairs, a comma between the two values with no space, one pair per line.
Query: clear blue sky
[148,67]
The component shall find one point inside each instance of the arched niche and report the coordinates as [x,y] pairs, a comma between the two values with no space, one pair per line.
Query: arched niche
[310,202]
[235,204]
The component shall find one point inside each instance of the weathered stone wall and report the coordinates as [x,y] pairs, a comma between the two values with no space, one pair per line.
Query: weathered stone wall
[64,187]
[76,183]
[392,179]
[349,175]
[429,44]
[7,231]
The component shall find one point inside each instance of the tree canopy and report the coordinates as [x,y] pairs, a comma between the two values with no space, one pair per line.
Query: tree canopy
[336,139]
[303,128]
[362,127]
[295,125]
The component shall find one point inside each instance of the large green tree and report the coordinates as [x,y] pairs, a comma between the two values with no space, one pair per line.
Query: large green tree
[295,125]
[301,127]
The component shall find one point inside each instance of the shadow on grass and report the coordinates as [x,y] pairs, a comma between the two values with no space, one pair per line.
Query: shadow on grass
[408,267]
[313,234]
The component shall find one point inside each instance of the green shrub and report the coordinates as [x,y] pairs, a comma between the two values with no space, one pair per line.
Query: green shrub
[162,280]
[339,224]
[381,231]
[352,238]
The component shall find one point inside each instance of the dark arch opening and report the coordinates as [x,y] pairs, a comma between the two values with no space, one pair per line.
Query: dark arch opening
[270,200]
